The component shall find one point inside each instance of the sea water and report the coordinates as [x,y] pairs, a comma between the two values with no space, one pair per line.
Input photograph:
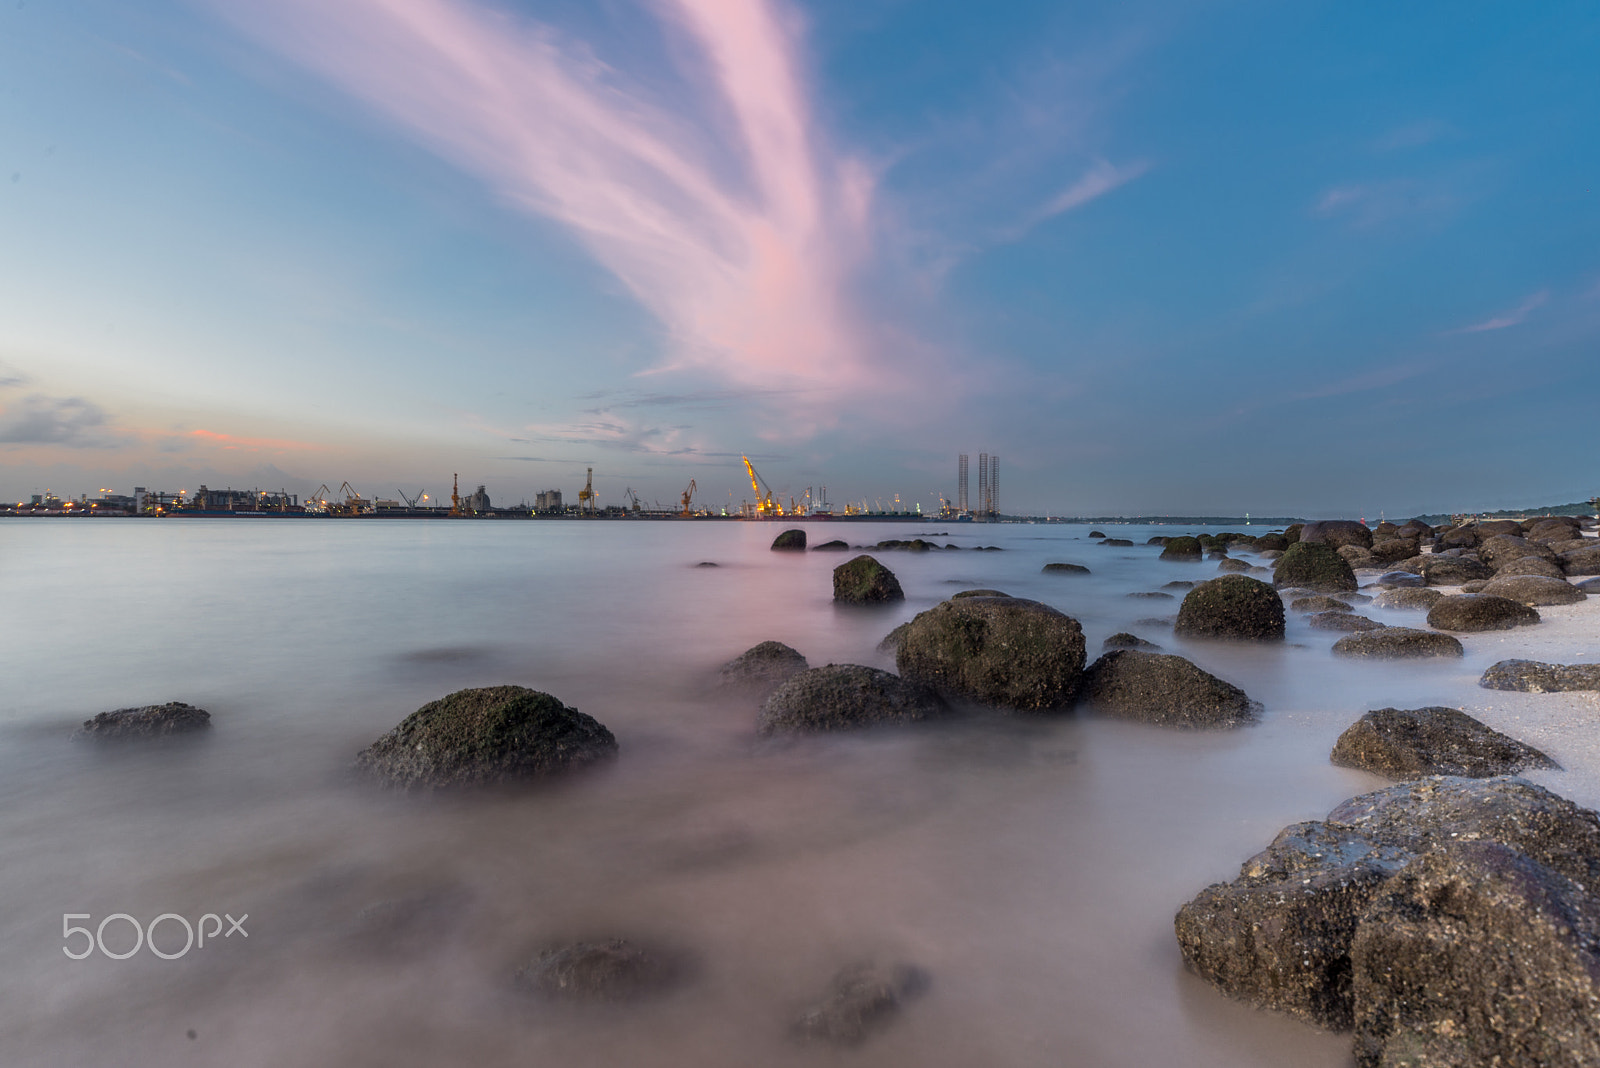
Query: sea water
[1031,866]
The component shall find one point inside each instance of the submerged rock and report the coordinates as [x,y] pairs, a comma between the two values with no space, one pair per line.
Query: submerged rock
[1183,548]
[1318,602]
[1408,598]
[1401,580]
[1233,606]
[1124,640]
[1337,533]
[1453,570]
[978,593]
[1471,612]
[1398,643]
[762,668]
[1315,567]
[1163,689]
[865,581]
[611,971]
[790,540]
[1234,567]
[1121,542]
[1410,743]
[834,546]
[842,697]
[149,721]
[1065,569]
[1533,676]
[1004,651]
[484,737]
[1345,621]
[860,1000]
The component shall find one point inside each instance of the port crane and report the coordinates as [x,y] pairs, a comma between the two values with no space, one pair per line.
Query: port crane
[455,494]
[688,495]
[586,495]
[318,501]
[632,496]
[766,505]
[411,502]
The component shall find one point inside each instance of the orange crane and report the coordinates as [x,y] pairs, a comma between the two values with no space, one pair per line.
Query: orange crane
[455,495]
[586,495]
[688,495]
[766,506]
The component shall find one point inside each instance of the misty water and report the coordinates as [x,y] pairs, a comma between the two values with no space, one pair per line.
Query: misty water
[1031,866]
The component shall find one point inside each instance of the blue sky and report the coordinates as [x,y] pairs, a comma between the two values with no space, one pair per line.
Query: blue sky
[1317,258]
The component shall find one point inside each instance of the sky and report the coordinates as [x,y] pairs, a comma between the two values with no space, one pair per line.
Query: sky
[1317,259]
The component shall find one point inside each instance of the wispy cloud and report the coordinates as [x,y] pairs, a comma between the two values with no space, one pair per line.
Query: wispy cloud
[231,441]
[1367,204]
[1512,318]
[41,420]
[1413,135]
[1378,378]
[745,265]
[1101,178]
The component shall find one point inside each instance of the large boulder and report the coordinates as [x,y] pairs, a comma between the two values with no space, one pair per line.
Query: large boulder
[761,668]
[1489,528]
[1531,565]
[1584,561]
[1408,743]
[1004,651]
[1398,643]
[1414,529]
[1534,589]
[865,581]
[1271,543]
[1463,537]
[1184,548]
[1232,566]
[1393,550]
[1471,612]
[1233,606]
[1408,598]
[1283,934]
[1504,548]
[484,737]
[790,540]
[1553,528]
[149,721]
[1337,532]
[614,970]
[1454,570]
[1166,690]
[1314,566]
[1357,557]
[1476,957]
[1533,676]
[841,697]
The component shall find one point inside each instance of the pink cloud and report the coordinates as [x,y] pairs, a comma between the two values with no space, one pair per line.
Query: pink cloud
[1511,318]
[747,270]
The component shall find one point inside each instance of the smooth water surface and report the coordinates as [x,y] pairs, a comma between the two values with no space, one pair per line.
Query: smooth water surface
[1032,867]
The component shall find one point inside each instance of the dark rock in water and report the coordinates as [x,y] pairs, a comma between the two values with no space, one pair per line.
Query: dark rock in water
[891,641]
[150,721]
[1504,548]
[1404,597]
[762,668]
[1533,676]
[1151,595]
[1454,570]
[1319,602]
[1337,532]
[978,593]
[1284,934]
[865,581]
[1156,621]
[1475,586]
[794,539]
[861,999]
[1554,528]
[1181,549]
[1217,554]
[1272,543]
[1065,569]
[1413,529]
[706,563]
[1531,565]
[1180,584]
[1401,580]
[1457,538]
[1166,690]
[1589,585]
[611,971]
[1585,561]
[1352,598]
[1096,534]
[1534,589]
[1124,640]
[1345,621]
[1159,539]
[1314,566]
[915,545]
[1291,533]
[1398,643]
[485,737]
[1233,566]
[1233,606]
[1271,556]
[842,697]
[1478,956]
[1478,612]
[1489,528]
[1357,557]
[1413,742]
[1387,552]
[834,546]
[1003,651]
[1117,541]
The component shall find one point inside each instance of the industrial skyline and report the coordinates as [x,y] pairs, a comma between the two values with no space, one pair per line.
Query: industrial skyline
[1160,255]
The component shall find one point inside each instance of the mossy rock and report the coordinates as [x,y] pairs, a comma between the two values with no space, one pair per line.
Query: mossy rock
[1003,651]
[1233,606]
[1064,569]
[1165,690]
[790,541]
[834,546]
[150,721]
[1314,566]
[483,737]
[1411,743]
[1184,548]
[1271,543]
[762,668]
[841,697]
[865,581]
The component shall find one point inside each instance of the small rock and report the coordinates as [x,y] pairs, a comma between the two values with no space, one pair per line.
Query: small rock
[611,971]
[1124,640]
[1314,566]
[150,721]
[762,668]
[834,546]
[1319,602]
[1337,533]
[1411,743]
[1184,548]
[1533,676]
[1453,570]
[1534,589]
[1151,595]
[1163,689]
[790,541]
[845,697]
[861,999]
[1004,651]
[1065,569]
[1473,612]
[1401,580]
[1234,606]
[1345,621]
[1403,597]
[865,581]
[1398,643]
